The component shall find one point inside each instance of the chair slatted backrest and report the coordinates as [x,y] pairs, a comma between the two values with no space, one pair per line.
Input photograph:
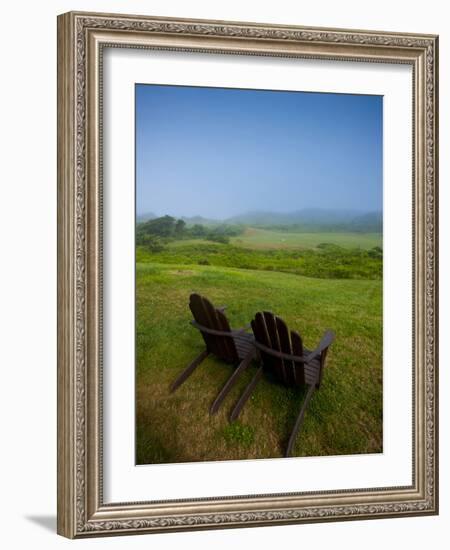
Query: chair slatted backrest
[207,315]
[272,332]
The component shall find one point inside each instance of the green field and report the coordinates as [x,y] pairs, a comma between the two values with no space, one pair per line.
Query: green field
[326,261]
[344,416]
[265,238]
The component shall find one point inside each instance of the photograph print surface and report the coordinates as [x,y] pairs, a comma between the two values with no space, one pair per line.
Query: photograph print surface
[259,263]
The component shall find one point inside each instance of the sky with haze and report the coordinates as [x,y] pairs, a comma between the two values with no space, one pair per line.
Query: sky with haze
[218,152]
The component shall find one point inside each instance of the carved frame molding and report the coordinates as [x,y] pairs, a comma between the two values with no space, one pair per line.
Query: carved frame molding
[81,39]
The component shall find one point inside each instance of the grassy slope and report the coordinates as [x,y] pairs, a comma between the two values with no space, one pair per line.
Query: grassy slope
[344,416]
[265,238]
[329,262]
[258,238]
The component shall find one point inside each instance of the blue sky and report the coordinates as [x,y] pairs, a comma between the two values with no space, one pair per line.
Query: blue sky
[218,152]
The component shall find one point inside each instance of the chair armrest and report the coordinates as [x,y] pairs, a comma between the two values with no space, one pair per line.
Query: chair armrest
[213,332]
[280,354]
[325,342]
[241,330]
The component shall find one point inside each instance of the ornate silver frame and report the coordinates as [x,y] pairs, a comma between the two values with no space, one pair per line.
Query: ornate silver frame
[81,37]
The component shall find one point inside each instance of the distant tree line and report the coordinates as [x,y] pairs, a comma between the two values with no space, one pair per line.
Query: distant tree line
[155,233]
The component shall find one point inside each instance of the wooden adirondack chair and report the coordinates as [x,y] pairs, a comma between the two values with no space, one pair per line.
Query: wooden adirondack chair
[233,346]
[282,354]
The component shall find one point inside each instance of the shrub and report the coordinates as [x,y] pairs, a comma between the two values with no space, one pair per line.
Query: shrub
[151,243]
[218,238]
[375,252]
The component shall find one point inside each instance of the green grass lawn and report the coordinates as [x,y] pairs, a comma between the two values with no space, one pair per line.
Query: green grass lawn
[344,416]
[325,261]
[265,238]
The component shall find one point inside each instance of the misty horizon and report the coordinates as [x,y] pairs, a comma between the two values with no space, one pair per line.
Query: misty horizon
[211,216]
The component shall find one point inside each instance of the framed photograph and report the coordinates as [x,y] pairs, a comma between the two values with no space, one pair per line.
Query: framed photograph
[247,276]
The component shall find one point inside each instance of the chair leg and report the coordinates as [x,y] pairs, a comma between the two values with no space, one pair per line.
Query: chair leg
[299,421]
[247,392]
[230,383]
[188,370]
